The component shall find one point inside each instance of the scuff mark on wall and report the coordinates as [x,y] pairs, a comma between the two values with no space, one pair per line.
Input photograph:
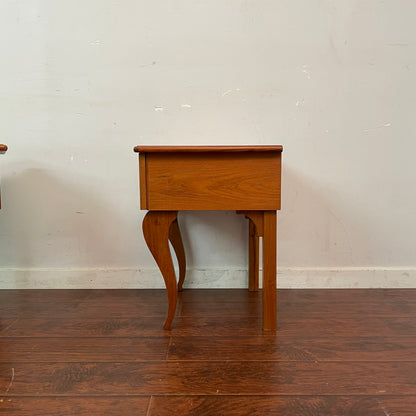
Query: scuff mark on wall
[230,91]
[398,44]
[305,70]
[147,65]
[377,128]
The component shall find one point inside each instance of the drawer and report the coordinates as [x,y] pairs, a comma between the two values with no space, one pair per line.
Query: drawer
[210,180]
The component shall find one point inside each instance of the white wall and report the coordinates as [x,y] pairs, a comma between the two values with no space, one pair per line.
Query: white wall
[82,82]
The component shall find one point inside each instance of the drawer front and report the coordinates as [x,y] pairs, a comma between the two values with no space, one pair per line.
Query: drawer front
[210,181]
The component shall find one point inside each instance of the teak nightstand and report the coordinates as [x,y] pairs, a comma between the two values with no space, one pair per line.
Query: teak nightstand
[245,179]
[3,149]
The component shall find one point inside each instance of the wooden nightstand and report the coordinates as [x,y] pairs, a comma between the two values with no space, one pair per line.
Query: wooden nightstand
[3,149]
[245,179]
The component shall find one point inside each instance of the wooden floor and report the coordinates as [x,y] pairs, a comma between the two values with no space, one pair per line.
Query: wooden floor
[103,352]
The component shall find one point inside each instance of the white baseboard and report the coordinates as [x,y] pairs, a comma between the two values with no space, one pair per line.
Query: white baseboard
[121,278]
[125,278]
[347,277]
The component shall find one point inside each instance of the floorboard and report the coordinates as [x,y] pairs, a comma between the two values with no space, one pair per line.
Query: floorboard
[74,406]
[282,406]
[212,377]
[289,348]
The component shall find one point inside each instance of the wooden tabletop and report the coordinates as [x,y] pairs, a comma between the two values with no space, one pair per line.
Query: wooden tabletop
[186,149]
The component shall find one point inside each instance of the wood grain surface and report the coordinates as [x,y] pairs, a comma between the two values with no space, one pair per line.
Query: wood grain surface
[211,181]
[283,406]
[205,149]
[103,352]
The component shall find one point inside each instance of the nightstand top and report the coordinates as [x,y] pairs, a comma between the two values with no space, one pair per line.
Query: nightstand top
[200,149]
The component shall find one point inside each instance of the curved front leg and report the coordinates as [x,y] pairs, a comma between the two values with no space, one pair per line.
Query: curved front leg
[177,244]
[156,225]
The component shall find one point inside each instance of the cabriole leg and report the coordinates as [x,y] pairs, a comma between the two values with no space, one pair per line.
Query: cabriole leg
[156,225]
[177,244]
